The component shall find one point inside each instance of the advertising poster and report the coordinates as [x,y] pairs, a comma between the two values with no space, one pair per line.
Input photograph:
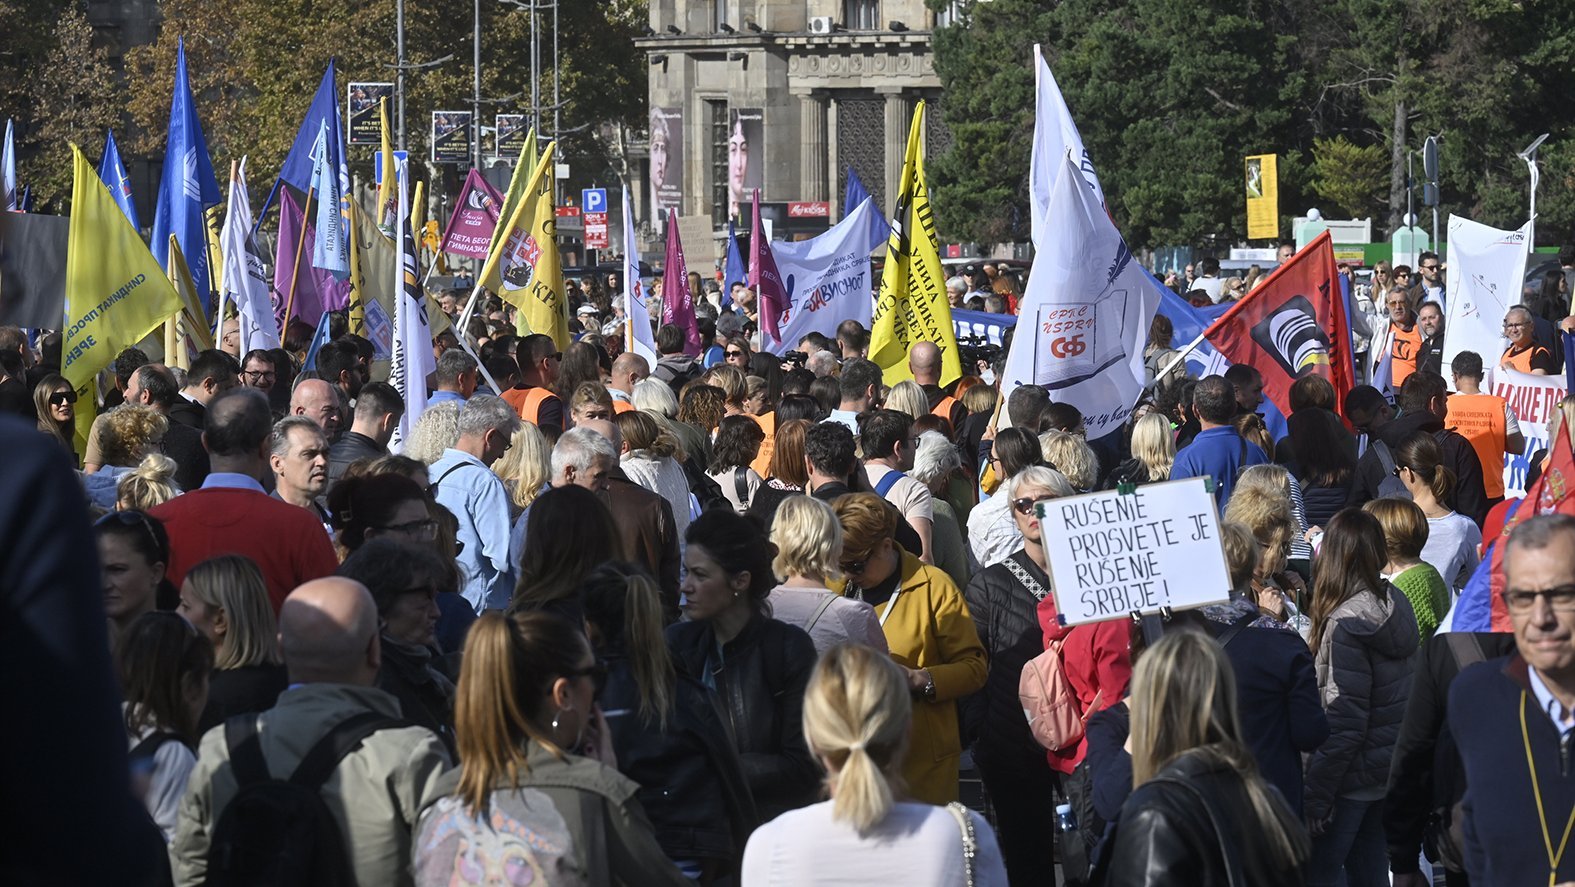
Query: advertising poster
[667,160]
[745,137]
[512,130]
[361,111]
[451,137]
[1263,197]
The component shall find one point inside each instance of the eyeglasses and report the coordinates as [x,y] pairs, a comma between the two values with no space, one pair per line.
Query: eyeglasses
[1025,506]
[60,398]
[1399,468]
[1561,598]
[259,375]
[133,518]
[853,568]
[1513,326]
[596,671]
[422,530]
[1429,267]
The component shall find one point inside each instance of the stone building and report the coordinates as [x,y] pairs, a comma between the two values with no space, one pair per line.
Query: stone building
[786,96]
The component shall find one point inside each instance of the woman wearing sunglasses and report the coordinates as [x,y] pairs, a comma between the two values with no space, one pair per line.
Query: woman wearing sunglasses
[524,806]
[55,403]
[928,630]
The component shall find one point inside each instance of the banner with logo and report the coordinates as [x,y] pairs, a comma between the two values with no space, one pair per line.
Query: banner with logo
[827,278]
[475,217]
[1090,306]
[361,106]
[1486,271]
[667,161]
[451,137]
[509,135]
[1263,197]
[1534,399]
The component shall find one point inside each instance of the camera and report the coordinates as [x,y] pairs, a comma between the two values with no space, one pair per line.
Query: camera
[797,358]
[973,349]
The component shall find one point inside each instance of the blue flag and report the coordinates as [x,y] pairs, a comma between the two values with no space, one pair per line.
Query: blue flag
[298,167]
[187,186]
[733,269]
[319,339]
[113,172]
[330,252]
[853,195]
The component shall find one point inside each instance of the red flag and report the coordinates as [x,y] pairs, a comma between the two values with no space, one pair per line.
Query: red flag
[1291,326]
[678,304]
[764,279]
[1551,494]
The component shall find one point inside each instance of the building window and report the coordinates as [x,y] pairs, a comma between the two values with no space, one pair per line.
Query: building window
[719,15]
[861,144]
[953,14]
[718,120]
[861,15]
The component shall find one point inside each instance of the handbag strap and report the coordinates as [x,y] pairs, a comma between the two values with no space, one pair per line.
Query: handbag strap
[825,601]
[1029,582]
[970,840]
[1229,634]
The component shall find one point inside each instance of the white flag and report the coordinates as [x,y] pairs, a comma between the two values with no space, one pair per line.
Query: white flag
[637,314]
[1054,135]
[243,277]
[413,359]
[1084,320]
[330,250]
[8,171]
[827,278]
[1487,268]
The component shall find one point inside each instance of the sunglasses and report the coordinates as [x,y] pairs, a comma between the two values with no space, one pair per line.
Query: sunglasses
[1430,267]
[422,530]
[1025,506]
[62,397]
[1561,598]
[132,518]
[597,672]
[735,354]
[853,568]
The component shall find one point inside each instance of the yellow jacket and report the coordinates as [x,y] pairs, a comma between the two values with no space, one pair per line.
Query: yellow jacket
[929,627]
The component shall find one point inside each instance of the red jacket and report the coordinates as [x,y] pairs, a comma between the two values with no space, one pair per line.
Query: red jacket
[286,542]
[1097,660]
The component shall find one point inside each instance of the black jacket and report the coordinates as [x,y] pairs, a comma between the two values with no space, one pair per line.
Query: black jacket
[183,443]
[352,447]
[1132,471]
[426,697]
[1469,497]
[1006,616]
[759,683]
[239,691]
[692,785]
[1427,775]
[1175,830]
[188,413]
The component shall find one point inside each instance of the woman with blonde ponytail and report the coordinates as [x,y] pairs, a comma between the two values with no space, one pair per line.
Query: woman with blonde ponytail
[857,716]
[522,802]
[666,733]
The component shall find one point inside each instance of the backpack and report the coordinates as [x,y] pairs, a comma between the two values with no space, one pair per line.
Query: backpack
[276,831]
[706,491]
[1055,714]
[1390,487]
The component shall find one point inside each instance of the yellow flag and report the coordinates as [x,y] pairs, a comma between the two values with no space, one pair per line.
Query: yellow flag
[912,306]
[524,171]
[116,293]
[386,195]
[186,323]
[529,268]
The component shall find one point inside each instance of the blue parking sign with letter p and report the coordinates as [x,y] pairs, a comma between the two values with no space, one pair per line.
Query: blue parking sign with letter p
[594,200]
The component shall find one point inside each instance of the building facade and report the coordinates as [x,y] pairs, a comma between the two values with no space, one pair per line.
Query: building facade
[785,96]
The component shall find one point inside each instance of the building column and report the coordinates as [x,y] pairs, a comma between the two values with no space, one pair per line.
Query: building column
[813,146]
[899,113]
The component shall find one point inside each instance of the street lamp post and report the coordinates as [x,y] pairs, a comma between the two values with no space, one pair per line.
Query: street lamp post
[1529,154]
[475,96]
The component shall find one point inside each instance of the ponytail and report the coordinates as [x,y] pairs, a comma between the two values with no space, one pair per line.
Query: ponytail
[1442,483]
[622,604]
[856,715]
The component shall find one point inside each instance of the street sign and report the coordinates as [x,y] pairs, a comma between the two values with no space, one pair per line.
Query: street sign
[594,200]
[595,225]
[377,164]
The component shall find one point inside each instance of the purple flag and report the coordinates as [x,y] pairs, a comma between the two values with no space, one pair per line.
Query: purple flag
[771,297]
[678,304]
[316,290]
[475,218]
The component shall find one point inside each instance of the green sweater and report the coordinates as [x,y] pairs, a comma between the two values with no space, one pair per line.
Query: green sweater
[1424,588]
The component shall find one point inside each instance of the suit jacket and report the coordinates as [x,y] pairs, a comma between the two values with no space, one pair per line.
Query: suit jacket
[188,413]
[183,443]
[650,536]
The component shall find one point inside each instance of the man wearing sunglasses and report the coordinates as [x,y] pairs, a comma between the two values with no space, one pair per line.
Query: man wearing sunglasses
[533,398]
[1430,286]
[1513,718]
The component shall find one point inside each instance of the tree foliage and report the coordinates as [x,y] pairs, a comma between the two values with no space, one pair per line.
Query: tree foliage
[1351,178]
[73,100]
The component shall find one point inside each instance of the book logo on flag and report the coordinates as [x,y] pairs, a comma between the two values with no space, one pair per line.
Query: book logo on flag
[1290,334]
[478,199]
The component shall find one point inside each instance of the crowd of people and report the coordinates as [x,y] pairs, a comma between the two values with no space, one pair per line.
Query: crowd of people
[739,618]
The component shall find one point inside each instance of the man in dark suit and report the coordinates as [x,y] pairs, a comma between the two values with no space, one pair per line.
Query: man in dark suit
[212,373]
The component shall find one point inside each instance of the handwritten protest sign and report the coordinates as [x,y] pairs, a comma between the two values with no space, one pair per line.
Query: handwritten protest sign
[1112,554]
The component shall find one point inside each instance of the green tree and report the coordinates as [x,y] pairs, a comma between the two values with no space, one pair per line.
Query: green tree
[72,101]
[1351,177]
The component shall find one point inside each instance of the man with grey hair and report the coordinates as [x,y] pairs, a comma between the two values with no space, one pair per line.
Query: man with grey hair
[1524,353]
[299,459]
[456,376]
[328,630]
[822,364]
[463,482]
[582,457]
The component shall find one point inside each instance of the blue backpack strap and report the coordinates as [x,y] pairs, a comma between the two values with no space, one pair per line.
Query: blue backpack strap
[887,481]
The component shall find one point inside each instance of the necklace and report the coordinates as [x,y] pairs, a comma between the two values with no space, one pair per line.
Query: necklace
[1542,816]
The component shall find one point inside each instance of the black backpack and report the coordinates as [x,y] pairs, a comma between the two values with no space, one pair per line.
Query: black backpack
[707,491]
[278,832]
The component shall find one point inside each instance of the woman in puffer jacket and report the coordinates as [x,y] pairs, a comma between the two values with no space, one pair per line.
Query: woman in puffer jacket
[1364,637]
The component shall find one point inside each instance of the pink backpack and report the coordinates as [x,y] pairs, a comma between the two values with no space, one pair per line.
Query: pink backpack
[1055,715]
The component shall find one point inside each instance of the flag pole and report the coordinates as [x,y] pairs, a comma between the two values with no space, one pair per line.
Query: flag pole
[300,242]
[218,313]
[1181,355]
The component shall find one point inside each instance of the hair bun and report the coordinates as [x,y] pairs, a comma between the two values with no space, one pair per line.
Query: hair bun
[156,468]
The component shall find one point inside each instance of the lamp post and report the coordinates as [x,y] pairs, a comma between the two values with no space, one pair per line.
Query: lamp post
[1529,154]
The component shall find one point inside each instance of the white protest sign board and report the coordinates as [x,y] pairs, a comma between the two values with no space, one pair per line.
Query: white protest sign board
[1112,554]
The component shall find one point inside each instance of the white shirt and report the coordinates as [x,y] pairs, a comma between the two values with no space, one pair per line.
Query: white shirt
[1562,718]
[916,845]
[845,417]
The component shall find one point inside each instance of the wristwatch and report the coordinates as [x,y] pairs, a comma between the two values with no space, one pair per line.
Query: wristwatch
[929,686]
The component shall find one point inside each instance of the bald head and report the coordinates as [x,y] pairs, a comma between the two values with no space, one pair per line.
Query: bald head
[924,361]
[328,631]
[629,370]
[605,428]
[317,400]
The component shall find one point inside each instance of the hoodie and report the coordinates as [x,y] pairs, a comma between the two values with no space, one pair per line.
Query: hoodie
[1363,664]
[1469,498]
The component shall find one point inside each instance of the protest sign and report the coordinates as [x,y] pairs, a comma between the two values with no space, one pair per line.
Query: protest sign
[1115,553]
[1534,399]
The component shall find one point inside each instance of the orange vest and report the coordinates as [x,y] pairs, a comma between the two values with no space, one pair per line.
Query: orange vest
[1402,354]
[1521,361]
[768,447]
[622,406]
[945,407]
[528,402]
[1479,418]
